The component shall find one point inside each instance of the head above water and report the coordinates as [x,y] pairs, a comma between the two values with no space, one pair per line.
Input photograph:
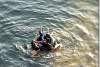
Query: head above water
[47,35]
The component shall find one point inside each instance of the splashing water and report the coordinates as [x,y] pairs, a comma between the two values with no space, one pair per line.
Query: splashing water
[75,23]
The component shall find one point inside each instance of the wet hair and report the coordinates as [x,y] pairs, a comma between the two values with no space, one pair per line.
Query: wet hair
[47,35]
[48,38]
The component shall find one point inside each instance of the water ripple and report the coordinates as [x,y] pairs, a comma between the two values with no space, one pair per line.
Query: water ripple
[75,23]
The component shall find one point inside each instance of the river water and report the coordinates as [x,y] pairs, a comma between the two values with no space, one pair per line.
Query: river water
[75,23]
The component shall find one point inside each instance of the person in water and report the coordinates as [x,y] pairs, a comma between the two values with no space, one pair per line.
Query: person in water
[44,40]
[48,40]
[37,43]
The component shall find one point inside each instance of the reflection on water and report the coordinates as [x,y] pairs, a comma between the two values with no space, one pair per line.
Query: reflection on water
[75,23]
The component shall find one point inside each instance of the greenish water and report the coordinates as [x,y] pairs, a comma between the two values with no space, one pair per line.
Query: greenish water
[75,23]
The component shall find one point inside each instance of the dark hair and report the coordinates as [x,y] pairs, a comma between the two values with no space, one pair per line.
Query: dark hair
[47,35]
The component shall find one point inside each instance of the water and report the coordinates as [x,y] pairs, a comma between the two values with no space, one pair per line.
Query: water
[75,22]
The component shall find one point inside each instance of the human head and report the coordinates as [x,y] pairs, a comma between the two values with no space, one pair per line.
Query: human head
[47,35]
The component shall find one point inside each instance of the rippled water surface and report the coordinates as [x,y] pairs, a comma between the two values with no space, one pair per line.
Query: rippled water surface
[75,23]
